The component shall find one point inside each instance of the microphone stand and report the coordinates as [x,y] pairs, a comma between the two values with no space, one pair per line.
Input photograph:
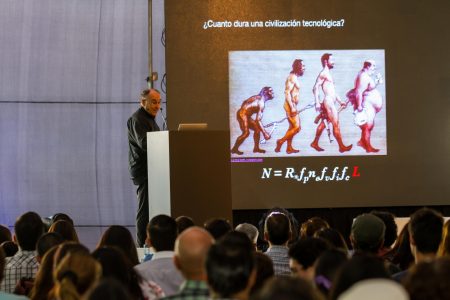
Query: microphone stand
[164,119]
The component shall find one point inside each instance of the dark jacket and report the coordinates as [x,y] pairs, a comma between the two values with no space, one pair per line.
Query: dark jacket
[138,125]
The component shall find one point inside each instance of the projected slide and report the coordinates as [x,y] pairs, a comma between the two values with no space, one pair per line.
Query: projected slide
[307,103]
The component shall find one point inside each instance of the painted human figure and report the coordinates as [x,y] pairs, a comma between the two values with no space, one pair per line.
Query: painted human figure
[367,102]
[292,97]
[252,106]
[326,106]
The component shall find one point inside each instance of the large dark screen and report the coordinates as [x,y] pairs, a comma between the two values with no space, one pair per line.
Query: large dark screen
[328,103]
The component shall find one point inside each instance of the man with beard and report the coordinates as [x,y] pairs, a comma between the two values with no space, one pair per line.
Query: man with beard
[292,95]
[326,106]
[367,103]
[253,105]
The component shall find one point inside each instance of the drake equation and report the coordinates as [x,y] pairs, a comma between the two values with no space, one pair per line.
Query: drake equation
[305,175]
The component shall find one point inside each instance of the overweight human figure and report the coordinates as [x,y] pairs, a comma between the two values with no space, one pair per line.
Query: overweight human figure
[326,106]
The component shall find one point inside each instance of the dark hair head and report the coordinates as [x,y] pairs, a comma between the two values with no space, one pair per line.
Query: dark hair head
[309,227]
[120,236]
[10,248]
[288,288]
[237,239]
[425,227]
[277,228]
[229,268]
[162,231]
[5,234]
[401,252]
[264,271]
[28,229]
[333,236]
[183,223]
[327,266]
[307,250]
[116,265]
[47,241]
[325,57]
[65,229]
[429,280]
[66,248]
[359,267]
[218,227]
[109,289]
[390,234]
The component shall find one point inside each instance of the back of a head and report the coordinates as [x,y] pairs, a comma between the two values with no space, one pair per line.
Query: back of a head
[68,248]
[390,234]
[5,234]
[264,271]
[65,229]
[218,227]
[120,236]
[47,241]
[367,233]
[429,280]
[183,223]
[326,268]
[306,251]
[311,226]
[74,275]
[229,268]
[9,248]
[425,227]
[333,236]
[162,231]
[288,288]
[359,267]
[28,229]
[191,248]
[277,228]
[250,230]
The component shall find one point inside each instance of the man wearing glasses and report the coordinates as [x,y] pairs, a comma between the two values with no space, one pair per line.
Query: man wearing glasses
[141,122]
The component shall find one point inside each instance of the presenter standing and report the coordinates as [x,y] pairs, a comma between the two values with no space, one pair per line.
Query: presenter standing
[141,122]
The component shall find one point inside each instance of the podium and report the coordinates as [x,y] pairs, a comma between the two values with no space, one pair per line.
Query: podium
[189,174]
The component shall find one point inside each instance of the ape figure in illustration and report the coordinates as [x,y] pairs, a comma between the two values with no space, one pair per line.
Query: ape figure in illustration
[367,102]
[292,97]
[326,106]
[252,106]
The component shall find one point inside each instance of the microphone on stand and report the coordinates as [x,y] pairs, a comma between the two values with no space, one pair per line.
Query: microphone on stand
[164,119]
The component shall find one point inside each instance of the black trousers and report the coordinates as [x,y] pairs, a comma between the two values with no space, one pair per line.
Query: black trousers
[142,216]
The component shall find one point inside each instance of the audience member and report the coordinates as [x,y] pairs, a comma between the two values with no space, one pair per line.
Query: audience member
[161,235]
[75,274]
[191,248]
[303,255]
[390,234]
[263,245]
[333,236]
[289,288]
[311,226]
[277,232]
[183,223]
[44,283]
[68,248]
[3,295]
[429,280]
[425,234]
[46,242]
[444,248]
[66,230]
[360,267]
[367,233]
[401,252]
[230,270]
[218,227]
[326,268]
[264,271]
[116,265]
[120,237]
[28,228]
[5,234]
[250,230]
[9,248]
